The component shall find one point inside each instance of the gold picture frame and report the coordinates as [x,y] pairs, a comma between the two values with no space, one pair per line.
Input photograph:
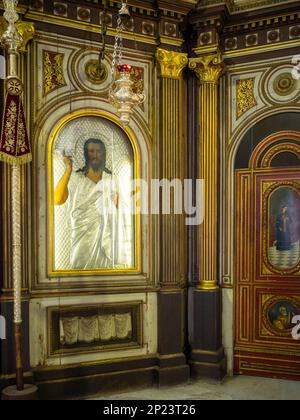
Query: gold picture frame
[51,269]
[271,188]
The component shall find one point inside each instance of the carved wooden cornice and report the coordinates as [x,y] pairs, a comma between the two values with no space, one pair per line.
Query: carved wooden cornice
[183,7]
[246,33]
[205,25]
[238,6]
[153,22]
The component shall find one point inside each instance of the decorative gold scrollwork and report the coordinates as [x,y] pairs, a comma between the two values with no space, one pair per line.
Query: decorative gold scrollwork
[53,71]
[245,96]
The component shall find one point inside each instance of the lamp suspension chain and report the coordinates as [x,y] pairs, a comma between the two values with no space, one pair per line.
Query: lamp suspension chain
[123,95]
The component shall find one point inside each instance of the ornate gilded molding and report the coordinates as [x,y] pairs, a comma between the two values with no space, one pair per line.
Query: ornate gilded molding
[280,148]
[264,152]
[171,63]
[245,96]
[53,71]
[267,185]
[208,68]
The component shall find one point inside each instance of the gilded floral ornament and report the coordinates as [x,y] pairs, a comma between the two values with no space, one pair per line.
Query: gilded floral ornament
[245,96]
[208,68]
[53,71]
[171,63]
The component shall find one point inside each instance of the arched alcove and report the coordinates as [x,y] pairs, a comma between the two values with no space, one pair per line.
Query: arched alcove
[73,235]
[140,143]
[267,248]
[239,151]
[288,121]
[112,297]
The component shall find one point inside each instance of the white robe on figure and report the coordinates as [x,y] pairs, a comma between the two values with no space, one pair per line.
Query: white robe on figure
[96,223]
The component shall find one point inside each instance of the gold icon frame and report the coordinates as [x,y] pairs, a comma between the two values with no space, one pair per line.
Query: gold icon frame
[52,272]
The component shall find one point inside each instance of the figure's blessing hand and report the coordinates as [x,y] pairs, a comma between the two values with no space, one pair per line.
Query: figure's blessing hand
[68,162]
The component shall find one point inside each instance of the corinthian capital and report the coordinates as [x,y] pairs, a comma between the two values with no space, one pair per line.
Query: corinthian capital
[208,68]
[171,63]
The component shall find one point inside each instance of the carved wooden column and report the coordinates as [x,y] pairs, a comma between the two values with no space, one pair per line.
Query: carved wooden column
[207,357]
[173,261]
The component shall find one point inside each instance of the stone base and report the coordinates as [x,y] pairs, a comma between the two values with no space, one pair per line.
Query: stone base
[85,381]
[173,375]
[207,359]
[215,371]
[30,392]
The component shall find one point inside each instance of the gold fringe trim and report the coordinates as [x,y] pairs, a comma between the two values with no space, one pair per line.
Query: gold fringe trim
[11,160]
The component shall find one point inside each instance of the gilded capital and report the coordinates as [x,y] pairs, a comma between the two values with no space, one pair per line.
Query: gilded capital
[171,63]
[208,68]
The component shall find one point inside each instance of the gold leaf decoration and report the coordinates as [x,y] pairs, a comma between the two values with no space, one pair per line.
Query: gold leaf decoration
[245,96]
[53,71]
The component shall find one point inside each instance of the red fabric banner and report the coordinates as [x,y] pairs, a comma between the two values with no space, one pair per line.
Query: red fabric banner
[14,144]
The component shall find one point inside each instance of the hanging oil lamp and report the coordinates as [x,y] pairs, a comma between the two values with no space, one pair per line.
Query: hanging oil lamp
[122,94]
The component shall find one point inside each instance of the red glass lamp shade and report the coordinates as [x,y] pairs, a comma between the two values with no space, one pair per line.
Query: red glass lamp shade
[124,68]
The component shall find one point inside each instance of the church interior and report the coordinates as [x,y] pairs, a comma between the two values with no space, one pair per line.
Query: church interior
[150,194]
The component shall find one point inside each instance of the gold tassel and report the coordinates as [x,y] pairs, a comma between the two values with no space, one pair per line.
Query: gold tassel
[11,160]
